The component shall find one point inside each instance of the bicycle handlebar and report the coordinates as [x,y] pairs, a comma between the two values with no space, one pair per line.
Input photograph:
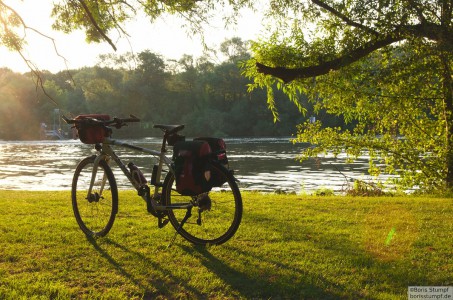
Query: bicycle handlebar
[116,122]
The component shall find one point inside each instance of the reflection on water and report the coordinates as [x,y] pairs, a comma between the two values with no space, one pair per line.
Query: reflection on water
[264,164]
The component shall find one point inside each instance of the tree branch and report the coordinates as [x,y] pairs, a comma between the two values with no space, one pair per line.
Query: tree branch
[344,18]
[430,31]
[95,24]
[416,7]
[288,75]
[18,48]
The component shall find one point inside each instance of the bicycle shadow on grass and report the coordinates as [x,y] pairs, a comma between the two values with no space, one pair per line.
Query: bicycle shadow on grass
[263,284]
[163,287]
[303,273]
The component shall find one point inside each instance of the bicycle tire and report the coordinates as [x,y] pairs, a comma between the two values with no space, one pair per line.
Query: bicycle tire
[95,213]
[219,223]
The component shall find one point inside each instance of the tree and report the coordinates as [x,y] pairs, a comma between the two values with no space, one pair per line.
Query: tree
[101,18]
[18,107]
[97,18]
[384,66]
[235,49]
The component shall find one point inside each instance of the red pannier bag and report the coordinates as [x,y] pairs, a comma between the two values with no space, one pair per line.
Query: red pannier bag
[218,149]
[218,154]
[92,133]
[190,166]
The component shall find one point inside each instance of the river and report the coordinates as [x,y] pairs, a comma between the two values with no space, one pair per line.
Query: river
[265,164]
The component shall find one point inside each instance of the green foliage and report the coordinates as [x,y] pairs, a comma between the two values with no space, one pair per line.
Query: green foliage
[396,102]
[365,189]
[100,19]
[10,21]
[399,117]
[17,103]
[324,192]
[211,99]
[96,17]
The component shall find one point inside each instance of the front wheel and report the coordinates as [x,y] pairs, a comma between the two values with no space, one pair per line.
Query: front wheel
[94,211]
[215,216]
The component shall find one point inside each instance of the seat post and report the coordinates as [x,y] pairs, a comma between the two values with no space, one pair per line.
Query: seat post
[164,142]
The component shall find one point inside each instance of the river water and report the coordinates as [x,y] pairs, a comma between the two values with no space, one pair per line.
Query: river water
[265,164]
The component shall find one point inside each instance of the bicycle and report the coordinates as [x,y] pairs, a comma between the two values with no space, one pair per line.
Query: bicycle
[94,189]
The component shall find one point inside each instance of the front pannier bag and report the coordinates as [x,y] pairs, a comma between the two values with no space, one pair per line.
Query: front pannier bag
[192,172]
[92,133]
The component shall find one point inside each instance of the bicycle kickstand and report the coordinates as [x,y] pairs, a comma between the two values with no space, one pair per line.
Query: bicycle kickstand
[161,222]
[183,221]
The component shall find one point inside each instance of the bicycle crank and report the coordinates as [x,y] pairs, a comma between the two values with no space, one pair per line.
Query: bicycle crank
[204,204]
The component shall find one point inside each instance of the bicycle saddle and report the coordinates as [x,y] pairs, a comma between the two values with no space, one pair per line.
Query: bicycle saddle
[169,129]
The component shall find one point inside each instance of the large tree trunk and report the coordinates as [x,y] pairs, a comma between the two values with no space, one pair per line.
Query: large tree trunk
[447,87]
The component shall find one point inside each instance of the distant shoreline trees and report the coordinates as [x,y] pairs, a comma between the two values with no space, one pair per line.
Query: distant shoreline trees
[209,98]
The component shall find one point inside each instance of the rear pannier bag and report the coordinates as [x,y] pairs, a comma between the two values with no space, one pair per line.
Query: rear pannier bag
[218,149]
[91,133]
[218,154]
[191,167]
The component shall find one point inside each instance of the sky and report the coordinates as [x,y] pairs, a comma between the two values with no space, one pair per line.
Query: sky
[165,37]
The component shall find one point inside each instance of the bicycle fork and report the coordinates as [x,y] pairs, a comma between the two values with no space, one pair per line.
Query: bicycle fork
[93,178]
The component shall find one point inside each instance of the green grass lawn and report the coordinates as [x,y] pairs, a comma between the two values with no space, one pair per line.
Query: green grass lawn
[287,247]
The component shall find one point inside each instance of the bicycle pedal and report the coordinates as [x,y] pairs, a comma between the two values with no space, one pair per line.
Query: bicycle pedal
[161,223]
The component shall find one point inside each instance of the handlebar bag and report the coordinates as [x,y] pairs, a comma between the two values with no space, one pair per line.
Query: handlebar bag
[191,165]
[92,133]
[218,154]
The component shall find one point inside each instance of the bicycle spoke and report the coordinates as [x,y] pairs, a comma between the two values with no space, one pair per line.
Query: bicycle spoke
[215,215]
[94,213]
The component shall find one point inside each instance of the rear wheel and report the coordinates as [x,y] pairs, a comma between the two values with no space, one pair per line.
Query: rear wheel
[215,216]
[95,211]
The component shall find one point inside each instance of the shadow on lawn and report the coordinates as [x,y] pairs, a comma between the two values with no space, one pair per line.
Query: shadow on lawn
[162,287]
[320,263]
[348,271]
[265,285]
[289,260]
[242,284]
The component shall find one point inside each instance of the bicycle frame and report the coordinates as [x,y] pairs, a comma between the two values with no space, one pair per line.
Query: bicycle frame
[107,153]
[96,212]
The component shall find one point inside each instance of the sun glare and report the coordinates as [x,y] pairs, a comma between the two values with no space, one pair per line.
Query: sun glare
[55,51]
[36,15]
